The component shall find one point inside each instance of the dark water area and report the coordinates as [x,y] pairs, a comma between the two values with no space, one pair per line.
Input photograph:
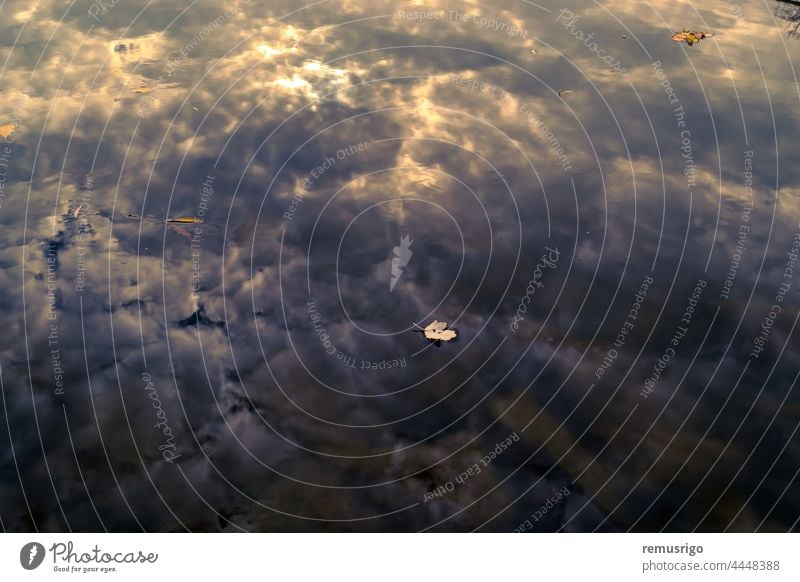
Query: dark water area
[223,224]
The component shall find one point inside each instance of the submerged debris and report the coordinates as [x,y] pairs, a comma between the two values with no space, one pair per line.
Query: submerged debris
[200,319]
[181,231]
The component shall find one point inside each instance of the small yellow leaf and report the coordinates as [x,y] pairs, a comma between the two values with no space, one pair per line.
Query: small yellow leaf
[690,36]
[142,89]
[8,129]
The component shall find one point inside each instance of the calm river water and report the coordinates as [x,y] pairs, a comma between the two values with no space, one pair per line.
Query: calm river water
[223,226]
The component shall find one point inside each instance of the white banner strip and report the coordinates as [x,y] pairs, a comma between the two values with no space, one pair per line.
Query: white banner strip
[400,557]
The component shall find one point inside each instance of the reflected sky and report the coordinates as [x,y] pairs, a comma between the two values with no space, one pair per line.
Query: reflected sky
[608,218]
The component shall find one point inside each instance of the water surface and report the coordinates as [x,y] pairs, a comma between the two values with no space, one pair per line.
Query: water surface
[608,218]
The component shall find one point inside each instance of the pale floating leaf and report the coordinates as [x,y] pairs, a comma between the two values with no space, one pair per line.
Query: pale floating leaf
[437,331]
[7,130]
